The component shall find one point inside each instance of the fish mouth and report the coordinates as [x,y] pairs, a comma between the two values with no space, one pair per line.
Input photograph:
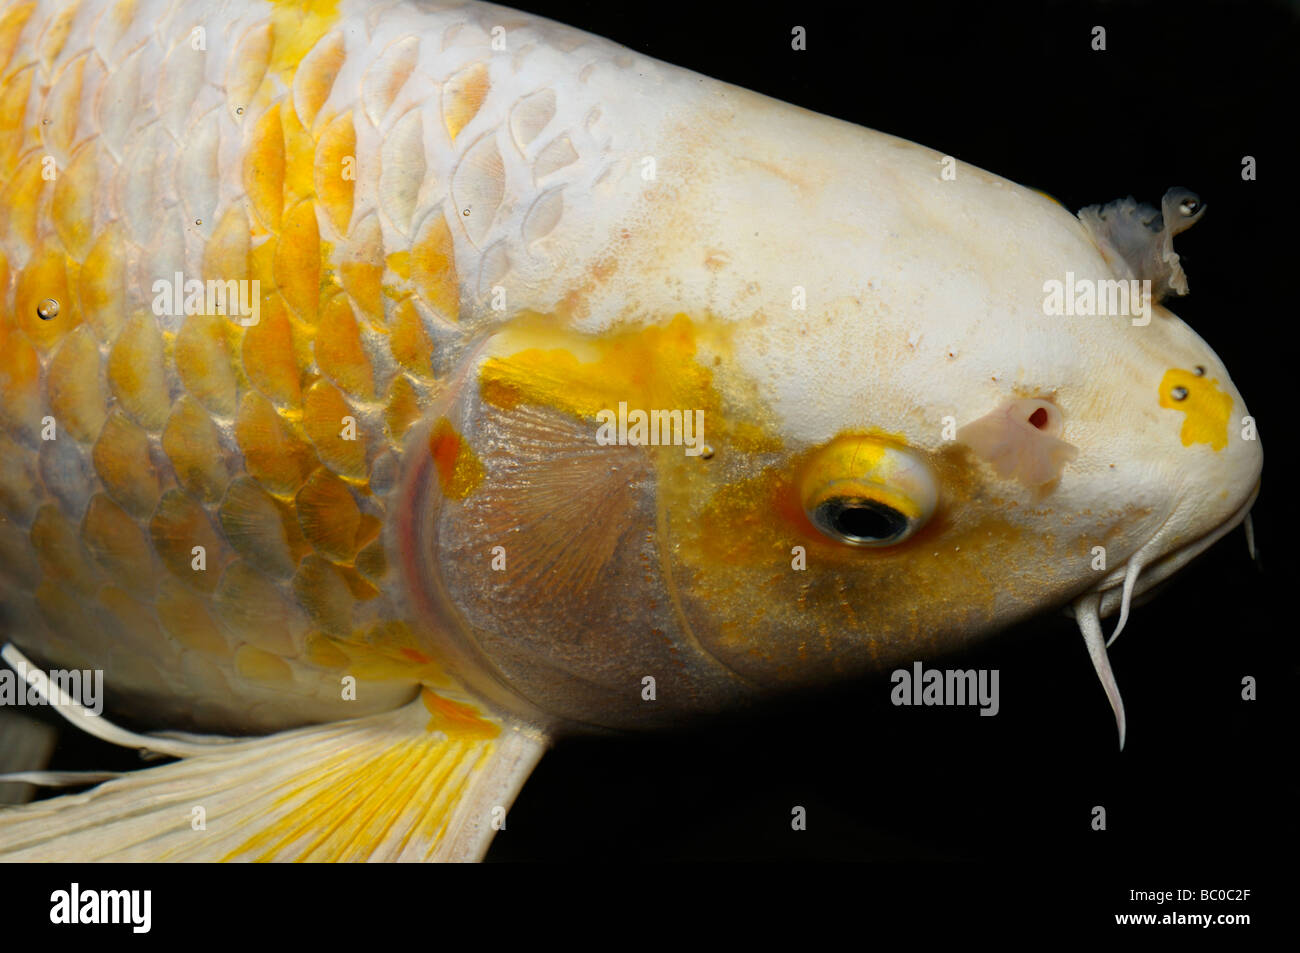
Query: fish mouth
[1118,589]
[1157,570]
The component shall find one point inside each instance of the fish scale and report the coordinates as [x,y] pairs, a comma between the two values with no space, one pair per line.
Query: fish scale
[346,170]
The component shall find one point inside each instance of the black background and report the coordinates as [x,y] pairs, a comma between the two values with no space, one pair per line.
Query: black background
[1204,792]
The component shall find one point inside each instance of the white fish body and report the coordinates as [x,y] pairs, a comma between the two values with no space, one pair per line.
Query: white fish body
[474,232]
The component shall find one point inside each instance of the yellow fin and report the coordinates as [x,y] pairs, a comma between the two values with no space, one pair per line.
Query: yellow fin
[428,782]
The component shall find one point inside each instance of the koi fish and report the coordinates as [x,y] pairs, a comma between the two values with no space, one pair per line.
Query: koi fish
[388,391]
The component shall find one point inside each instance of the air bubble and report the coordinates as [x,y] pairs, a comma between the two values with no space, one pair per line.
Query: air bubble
[47,309]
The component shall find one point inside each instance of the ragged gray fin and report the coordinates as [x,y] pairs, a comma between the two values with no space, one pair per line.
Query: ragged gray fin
[1138,240]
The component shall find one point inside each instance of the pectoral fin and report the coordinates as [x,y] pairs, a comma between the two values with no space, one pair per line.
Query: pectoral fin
[428,782]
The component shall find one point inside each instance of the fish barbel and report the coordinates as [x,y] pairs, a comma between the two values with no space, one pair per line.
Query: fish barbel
[387,390]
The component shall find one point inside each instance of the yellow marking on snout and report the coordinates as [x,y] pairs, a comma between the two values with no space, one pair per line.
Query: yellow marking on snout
[1207,408]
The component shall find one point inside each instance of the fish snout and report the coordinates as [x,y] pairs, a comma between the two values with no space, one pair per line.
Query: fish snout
[1216,445]
[1207,446]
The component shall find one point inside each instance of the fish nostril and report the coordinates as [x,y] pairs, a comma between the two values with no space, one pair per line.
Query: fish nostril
[1039,418]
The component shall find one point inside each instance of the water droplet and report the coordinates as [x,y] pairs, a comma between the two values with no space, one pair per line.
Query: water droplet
[47,309]
[1178,393]
[239,110]
[198,221]
[466,212]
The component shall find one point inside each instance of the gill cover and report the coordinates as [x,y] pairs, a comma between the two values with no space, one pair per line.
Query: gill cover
[536,554]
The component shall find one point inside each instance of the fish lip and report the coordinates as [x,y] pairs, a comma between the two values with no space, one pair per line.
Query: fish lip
[1160,569]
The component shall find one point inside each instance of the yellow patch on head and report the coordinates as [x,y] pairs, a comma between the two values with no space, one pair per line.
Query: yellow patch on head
[648,367]
[1206,407]
[655,367]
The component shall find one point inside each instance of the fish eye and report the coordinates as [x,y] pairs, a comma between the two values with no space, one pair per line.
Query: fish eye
[860,522]
[864,491]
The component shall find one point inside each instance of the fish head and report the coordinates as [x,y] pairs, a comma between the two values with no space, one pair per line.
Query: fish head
[812,451]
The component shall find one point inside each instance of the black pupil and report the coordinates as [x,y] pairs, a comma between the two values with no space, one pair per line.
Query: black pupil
[863,519]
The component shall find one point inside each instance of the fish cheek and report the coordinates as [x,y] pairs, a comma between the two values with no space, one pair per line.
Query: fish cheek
[783,606]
